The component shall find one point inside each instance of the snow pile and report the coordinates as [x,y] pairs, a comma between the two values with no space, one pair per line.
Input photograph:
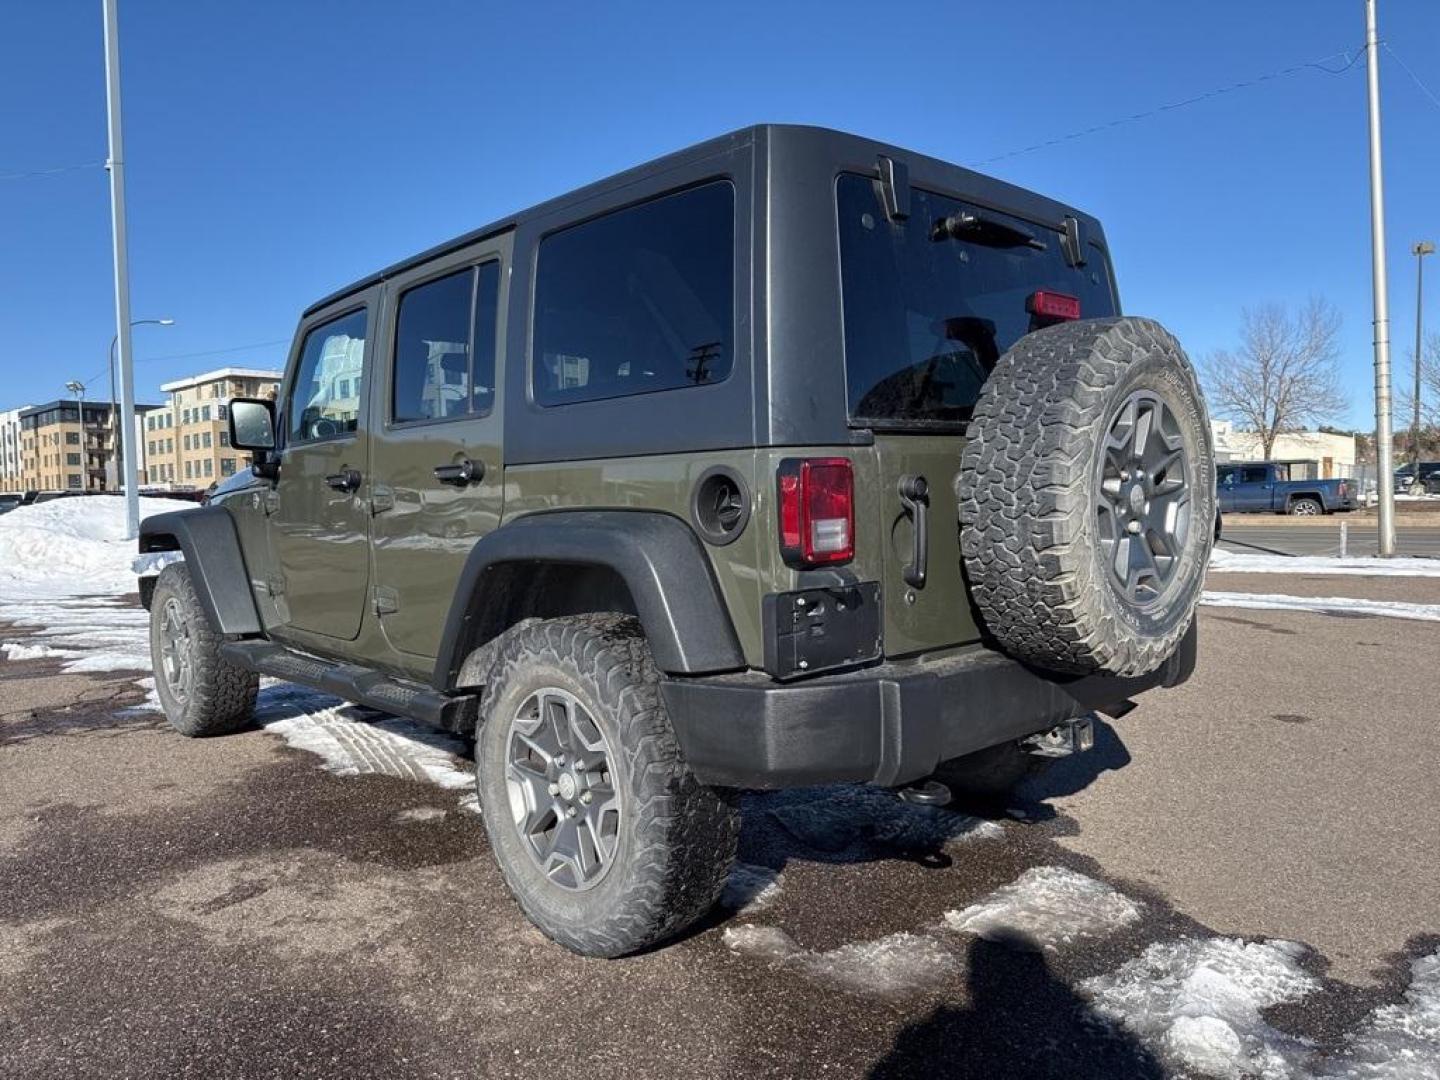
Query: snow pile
[1328,605]
[90,634]
[351,741]
[1399,1042]
[1231,562]
[895,964]
[751,888]
[1197,1003]
[1050,906]
[70,545]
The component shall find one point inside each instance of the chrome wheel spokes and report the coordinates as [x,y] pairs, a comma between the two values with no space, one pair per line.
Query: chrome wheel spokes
[177,663]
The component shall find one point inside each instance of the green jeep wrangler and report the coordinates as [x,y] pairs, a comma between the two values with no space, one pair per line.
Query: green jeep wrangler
[791,458]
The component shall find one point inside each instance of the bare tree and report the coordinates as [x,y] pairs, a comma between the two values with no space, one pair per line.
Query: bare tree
[1284,375]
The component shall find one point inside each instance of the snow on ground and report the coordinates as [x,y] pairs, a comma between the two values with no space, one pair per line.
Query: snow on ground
[1232,562]
[1398,1042]
[1329,605]
[1051,906]
[895,964]
[1197,1002]
[70,546]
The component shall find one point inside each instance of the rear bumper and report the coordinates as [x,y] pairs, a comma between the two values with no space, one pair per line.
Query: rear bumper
[886,725]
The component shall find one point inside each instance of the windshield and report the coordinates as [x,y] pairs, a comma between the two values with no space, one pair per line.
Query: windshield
[927,315]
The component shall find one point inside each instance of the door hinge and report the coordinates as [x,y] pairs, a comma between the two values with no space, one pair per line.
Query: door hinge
[271,586]
[386,601]
[381,499]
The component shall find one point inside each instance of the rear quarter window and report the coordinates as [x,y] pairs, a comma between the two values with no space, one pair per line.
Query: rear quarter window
[637,301]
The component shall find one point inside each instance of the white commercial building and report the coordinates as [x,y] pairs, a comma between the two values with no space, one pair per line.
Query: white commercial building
[11,466]
[1319,455]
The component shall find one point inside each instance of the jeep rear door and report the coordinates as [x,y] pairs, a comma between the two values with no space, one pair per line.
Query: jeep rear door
[436,468]
[319,517]
[931,301]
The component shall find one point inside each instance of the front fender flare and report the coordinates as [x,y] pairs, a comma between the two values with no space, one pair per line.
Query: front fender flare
[659,558]
[207,537]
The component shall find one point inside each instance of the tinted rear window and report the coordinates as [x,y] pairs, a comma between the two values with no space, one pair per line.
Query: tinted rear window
[926,319]
[639,300]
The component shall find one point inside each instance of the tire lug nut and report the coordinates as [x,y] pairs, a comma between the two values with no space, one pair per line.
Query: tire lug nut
[1133,526]
[585,797]
[554,789]
[570,811]
[579,764]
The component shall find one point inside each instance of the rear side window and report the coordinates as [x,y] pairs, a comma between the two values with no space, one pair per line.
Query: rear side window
[927,316]
[326,398]
[445,341]
[638,300]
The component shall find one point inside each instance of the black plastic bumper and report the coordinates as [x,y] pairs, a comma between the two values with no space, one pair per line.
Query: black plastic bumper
[886,725]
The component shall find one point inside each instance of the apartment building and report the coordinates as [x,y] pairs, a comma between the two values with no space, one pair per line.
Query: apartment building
[66,445]
[187,441]
[12,472]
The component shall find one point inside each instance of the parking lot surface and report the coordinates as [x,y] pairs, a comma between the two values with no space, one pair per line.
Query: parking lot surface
[1238,880]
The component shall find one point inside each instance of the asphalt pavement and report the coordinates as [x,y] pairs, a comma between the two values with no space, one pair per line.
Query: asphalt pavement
[230,908]
[1324,538]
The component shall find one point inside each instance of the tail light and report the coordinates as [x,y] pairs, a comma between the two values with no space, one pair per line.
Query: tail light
[1053,306]
[1344,489]
[817,511]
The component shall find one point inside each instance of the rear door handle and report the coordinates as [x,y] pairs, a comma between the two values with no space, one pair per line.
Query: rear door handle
[346,480]
[460,474]
[915,495]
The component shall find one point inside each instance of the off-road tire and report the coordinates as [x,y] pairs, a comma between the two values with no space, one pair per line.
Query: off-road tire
[1028,494]
[989,776]
[1305,508]
[677,837]
[221,696]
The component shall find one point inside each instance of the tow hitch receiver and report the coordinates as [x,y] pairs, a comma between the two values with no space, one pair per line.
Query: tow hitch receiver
[1071,737]
[925,793]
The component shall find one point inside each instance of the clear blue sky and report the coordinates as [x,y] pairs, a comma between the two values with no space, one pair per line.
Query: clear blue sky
[277,150]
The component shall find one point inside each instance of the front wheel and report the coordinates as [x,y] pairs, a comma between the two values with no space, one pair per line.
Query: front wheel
[1305,508]
[201,692]
[608,842]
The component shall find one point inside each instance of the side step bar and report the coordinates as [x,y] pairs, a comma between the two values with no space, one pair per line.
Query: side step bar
[358,684]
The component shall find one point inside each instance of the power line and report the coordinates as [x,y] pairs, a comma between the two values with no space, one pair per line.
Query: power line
[1423,88]
[1318,65]
[103,372]
[52,172]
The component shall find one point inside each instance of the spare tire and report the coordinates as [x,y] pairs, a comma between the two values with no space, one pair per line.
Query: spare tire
[1087,497]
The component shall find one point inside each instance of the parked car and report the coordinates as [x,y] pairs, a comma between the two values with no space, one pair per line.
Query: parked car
[10,500]
[1429,478]
[1265,487]
[650,543]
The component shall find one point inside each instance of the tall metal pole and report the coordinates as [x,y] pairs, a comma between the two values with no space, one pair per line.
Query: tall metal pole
[116,168]
[1384,450]
[1420,250]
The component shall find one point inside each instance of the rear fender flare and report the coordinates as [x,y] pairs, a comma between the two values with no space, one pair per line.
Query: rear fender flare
[659,558]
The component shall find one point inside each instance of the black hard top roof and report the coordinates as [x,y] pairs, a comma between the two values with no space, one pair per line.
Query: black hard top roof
[771,134]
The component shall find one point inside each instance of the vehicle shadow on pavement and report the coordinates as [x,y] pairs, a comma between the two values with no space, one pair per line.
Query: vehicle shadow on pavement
[1022,1023]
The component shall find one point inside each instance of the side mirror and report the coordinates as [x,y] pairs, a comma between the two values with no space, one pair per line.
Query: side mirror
[252,424]
[252,427]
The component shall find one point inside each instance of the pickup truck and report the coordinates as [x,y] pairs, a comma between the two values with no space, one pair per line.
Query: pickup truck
[1265,487]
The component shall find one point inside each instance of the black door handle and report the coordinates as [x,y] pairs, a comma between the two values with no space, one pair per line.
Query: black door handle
[346,480]
[461,474]
[915,496]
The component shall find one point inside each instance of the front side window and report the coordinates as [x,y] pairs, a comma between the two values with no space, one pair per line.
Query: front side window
[1254,474]
[928,314]
[445,343]
[325,400]
[639,300]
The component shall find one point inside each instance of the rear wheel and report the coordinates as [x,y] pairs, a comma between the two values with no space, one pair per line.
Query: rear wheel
[1305,507]
[201,692]
[606,839]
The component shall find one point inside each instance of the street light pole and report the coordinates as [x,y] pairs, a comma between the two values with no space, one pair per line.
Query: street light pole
[1420,250]
[112,470]
[1384,450]
[116,167]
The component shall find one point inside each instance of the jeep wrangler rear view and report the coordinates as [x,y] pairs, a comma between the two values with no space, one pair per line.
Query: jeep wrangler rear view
[791,458]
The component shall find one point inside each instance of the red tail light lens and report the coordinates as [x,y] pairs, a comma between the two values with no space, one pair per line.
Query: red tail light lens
[1053,305]
[817,511]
